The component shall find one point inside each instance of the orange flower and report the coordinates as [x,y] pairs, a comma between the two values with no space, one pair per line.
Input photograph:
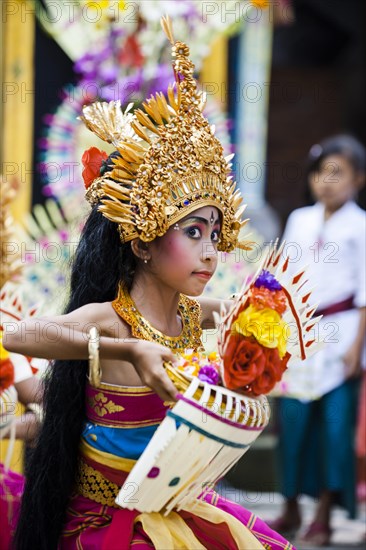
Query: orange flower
[262,298]
[92,161]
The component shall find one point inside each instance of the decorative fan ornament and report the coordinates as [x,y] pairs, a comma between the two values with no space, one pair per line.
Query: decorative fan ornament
[272,312]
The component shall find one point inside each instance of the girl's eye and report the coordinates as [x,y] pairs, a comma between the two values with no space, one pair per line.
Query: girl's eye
[215,235]
[194,232]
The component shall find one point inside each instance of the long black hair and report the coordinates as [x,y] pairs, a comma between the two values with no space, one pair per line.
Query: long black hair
[101,261]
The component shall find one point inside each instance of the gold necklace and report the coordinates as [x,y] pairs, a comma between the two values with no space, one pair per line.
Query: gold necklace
[190,313]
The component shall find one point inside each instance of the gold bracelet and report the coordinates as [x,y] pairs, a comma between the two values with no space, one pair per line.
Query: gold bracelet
[95,371]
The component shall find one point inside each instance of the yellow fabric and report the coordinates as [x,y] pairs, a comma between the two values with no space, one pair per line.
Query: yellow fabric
[16,462]
[213,75]
[169,532]
[107,459]
[172,532]
[18,102]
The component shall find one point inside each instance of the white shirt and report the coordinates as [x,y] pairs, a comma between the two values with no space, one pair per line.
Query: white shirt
[334,253]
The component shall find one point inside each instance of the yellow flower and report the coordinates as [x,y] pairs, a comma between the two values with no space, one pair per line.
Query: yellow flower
[189,369]
[103,4]
[266,325]
[3,353]
[188,355]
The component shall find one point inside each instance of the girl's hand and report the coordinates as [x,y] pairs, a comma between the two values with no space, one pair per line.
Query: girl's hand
[148,359]
[352,361]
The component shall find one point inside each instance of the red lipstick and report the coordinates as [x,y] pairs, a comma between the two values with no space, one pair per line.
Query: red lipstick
[203,274]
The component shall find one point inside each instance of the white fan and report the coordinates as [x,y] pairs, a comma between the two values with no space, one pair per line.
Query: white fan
[201,438]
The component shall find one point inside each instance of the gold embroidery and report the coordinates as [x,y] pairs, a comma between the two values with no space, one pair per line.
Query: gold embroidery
[189,310]
[92,484]
[122,390]
[169,404]
[102,406]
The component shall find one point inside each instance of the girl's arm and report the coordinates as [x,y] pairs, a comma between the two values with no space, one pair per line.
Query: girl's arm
[30,390]
[208,306]
[66,337]
[26,428]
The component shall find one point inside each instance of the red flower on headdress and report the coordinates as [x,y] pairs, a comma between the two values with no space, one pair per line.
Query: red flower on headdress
[131,55]
[92,161]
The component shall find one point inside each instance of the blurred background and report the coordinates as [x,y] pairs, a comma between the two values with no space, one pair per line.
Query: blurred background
[279,76]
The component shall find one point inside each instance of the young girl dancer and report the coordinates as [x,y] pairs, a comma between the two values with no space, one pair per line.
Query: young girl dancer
[162,208]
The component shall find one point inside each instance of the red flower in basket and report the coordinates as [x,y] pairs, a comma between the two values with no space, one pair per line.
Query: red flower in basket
[272,373]
[250,367]
[243,362]
[92,161]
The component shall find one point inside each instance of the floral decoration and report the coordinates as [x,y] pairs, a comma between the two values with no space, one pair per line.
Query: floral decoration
[255,352]
[266,325]
[262,298]
[267,280]
[244,361]
[92,160]
[256,355]
[205,366]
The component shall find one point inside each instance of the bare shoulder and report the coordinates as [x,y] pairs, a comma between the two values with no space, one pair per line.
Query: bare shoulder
[95,311]
[101,315]
[105,318]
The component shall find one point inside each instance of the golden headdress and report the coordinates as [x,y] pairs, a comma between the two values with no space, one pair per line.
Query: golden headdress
[170,161]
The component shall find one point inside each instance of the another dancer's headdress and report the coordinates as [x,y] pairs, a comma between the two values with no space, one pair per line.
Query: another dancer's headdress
[170,161]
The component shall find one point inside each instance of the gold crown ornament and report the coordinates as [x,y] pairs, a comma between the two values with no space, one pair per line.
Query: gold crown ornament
[170,161]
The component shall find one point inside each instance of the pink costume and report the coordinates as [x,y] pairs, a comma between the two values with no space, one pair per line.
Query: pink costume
[120,422]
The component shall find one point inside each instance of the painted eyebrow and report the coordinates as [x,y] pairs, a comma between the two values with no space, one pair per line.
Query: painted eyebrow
[201,220]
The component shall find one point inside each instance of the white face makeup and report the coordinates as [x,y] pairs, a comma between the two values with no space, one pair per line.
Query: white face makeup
[185,258]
